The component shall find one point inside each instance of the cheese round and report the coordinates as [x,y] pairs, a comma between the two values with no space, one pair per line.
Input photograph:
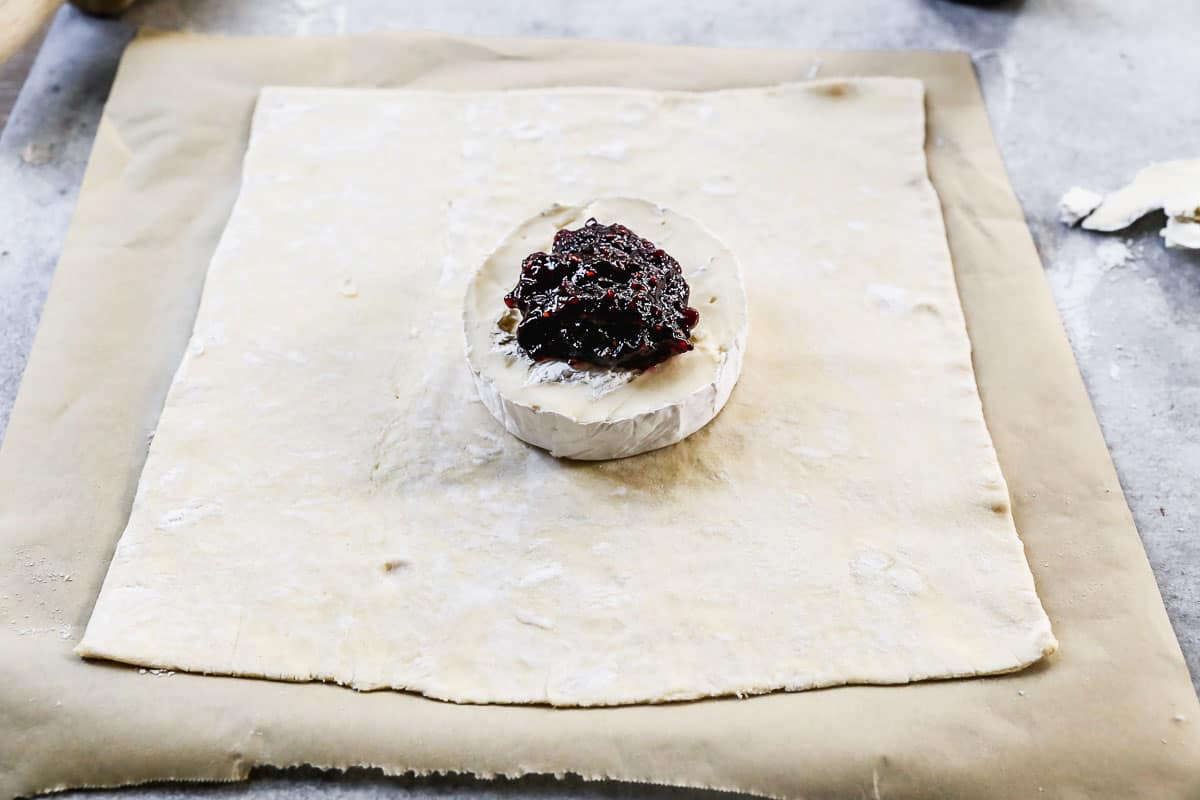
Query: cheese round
[593,413]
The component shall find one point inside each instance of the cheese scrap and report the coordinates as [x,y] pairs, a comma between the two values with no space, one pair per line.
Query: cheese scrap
[1173,186]
[1077,203]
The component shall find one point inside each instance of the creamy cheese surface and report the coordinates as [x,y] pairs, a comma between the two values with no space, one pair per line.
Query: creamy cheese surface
[598,413]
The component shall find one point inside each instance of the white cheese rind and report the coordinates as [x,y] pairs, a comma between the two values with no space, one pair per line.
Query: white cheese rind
[657,407]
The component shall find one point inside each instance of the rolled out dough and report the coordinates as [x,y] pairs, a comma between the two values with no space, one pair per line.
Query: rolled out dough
[325,497]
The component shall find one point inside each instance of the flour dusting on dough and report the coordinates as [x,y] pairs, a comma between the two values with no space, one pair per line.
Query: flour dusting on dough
[891,300]
[541,574]
[193,512]
[613,151]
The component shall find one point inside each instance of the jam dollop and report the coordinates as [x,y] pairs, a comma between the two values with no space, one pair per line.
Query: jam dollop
[603,296]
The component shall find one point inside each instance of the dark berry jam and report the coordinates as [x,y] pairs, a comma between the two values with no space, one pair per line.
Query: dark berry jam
[603,296]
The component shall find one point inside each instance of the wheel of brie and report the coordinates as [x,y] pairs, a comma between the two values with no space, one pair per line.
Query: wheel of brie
[677,321]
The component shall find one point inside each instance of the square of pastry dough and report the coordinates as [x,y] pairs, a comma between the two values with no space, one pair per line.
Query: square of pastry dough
[326,498]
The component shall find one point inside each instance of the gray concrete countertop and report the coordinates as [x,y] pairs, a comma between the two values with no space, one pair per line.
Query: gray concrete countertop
[1079,92]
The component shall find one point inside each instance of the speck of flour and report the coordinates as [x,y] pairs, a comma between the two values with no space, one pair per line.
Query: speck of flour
[1113,253]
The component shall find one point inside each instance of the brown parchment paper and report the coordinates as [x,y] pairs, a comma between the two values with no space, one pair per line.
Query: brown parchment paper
[1113,715]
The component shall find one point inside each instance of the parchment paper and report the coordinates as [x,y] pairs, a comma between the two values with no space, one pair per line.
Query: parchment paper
[1113,716]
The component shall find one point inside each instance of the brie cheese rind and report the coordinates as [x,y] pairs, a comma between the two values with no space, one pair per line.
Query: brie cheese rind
[596,414]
